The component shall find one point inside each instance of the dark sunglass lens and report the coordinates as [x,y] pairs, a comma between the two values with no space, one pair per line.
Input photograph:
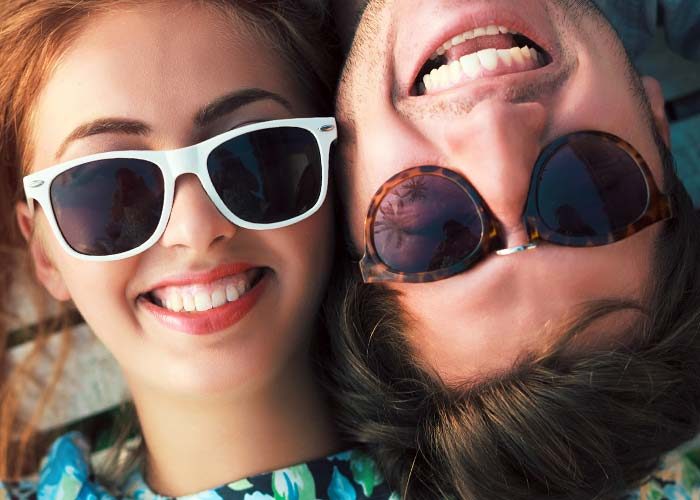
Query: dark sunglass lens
[108,207]
[269,175]
[426,223]
[591,188]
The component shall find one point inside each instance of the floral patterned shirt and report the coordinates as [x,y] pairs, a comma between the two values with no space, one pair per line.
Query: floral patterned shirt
[65,474]
[678,479]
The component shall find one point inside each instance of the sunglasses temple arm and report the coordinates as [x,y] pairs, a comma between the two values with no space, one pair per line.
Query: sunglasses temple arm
[30,204]
[671,209]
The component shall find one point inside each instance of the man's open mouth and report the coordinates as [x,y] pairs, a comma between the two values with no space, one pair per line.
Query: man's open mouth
[479,53]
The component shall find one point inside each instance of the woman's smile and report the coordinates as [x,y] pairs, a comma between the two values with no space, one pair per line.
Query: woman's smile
[206,307]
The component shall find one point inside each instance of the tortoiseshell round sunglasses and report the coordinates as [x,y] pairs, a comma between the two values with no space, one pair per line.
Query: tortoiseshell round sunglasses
[587,189]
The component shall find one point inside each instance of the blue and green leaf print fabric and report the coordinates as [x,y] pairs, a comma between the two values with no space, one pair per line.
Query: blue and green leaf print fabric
[66,475]
[352,475]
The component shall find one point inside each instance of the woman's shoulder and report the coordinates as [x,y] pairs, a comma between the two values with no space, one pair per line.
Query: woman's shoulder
[65,473]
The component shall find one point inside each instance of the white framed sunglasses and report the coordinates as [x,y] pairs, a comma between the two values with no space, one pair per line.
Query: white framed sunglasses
[115,205]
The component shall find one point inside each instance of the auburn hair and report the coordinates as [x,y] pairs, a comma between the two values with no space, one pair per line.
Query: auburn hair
[33,36]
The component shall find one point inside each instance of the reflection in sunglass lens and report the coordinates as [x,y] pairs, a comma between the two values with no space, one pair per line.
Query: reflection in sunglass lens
[108,207]
[590,188]
[426,223]
[268,176]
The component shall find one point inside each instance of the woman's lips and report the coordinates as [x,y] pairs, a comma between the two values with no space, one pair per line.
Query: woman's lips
[211,321]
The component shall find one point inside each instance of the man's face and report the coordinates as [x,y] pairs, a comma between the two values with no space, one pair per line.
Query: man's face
[489,124]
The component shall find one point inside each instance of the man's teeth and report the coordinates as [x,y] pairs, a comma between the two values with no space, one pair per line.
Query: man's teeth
[198,301]
[470,35]
[472,65]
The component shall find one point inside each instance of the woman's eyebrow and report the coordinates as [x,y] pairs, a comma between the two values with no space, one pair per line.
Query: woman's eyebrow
[231,102]
[219,108]
[104,126]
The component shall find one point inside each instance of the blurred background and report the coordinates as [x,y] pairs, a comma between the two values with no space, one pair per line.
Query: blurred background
[680,80]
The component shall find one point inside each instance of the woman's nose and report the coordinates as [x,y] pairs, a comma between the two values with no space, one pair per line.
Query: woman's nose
[496,150]
[195,223]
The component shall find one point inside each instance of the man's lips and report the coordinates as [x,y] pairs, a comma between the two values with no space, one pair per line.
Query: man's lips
[472,29]
[492,51]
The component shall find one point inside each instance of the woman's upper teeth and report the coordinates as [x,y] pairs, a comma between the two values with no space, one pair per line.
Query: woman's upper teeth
[203,297]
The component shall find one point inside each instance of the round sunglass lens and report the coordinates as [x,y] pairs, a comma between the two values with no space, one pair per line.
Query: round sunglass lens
[268,176]
[108,207]
[590,187]
[426,223]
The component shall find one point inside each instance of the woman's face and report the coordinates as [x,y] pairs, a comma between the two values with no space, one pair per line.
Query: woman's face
[150,70]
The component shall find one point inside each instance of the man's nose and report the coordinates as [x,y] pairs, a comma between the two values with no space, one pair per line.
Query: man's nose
[195,223]
[496,150]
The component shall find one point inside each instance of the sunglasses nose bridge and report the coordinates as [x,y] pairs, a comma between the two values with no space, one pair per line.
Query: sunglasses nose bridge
[184,161]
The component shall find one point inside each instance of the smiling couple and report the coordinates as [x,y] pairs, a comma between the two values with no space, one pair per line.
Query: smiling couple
[518,316]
